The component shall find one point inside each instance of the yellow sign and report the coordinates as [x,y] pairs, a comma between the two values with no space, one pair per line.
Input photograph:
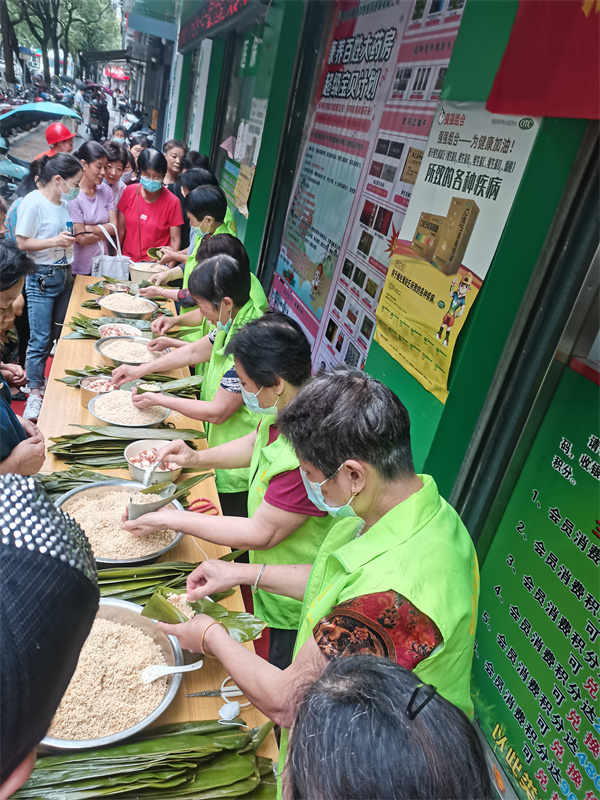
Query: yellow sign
[420,314]
[154,122]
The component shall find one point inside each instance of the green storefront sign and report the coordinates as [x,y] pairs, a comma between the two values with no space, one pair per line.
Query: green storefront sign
[535,670]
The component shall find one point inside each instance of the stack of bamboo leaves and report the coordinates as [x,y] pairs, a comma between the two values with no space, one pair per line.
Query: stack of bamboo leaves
[188,761]
[138,584]
[181,387]
[103,445]
[86,328]
[61,482]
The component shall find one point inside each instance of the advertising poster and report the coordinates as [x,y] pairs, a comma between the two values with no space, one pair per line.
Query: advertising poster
[348,207]
[535,675]
[468,178]
[352,87]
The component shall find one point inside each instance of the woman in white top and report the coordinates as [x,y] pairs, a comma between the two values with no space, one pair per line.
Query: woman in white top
[41,230]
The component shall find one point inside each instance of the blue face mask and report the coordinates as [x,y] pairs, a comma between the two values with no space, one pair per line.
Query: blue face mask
[315,495]
[71,194]
[224,326]
[150,185]
[118,139]
[251,401]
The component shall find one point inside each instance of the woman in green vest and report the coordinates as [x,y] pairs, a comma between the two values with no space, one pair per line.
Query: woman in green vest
[221,288]
[397,575]
[272,361]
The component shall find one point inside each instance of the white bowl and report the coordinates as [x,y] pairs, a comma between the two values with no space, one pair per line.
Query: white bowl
[138,275]
[137,473]
[129,614]
[128,330]
[128,314]
[124,424]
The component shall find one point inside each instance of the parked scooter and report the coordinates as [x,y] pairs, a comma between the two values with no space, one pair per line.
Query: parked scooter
[12,170]
[94,125]
[137,124]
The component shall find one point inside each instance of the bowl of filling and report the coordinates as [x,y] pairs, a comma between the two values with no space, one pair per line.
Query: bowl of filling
[107,700]
[132,350]
[94,385]
[143,270]
[118,329]
[128,306]
[98,508]
[143,454]
[117,408]
[113,288]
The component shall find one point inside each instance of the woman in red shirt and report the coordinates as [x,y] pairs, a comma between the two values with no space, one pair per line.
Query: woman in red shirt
[149,215]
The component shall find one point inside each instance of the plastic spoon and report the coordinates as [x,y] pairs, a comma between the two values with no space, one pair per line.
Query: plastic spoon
[155,671]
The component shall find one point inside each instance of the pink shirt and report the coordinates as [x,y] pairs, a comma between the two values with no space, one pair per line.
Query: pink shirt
[92,211]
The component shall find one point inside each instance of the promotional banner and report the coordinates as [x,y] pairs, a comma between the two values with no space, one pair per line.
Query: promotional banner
[376,98]
[468,179]
[535,676]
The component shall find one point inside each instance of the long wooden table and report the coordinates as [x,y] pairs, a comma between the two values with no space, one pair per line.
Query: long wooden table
[61,409]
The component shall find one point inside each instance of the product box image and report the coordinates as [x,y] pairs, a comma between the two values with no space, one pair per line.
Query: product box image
[454,235]
[426,235]
[412,165]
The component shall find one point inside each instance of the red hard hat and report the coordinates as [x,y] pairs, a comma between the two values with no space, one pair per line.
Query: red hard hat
[57,132]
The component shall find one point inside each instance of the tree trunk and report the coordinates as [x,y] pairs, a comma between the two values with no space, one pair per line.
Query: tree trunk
[6,43]
[46,63]
[56,55]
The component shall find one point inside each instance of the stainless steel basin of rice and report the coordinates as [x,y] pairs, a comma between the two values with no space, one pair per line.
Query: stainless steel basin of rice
[101,522]
[106,694]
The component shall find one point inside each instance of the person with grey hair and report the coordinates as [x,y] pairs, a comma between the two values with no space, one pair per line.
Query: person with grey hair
[396,576]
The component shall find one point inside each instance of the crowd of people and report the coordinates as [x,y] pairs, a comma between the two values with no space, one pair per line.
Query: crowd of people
[365,575]
[75,206]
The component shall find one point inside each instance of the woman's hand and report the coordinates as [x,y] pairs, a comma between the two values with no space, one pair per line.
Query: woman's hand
[189,633]
[180,453]
[148,523]
[161,325]
[148,399]
[168,255]
[126,373]
[151,291]
[62,240]
[27,457]
[161,278]
[212,576]
[15,374]
[160,344]
[31,429]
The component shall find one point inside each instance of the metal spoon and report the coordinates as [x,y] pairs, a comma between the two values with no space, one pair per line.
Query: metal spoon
[155,671]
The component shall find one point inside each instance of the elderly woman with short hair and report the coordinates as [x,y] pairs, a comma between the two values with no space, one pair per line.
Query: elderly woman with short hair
[396,576]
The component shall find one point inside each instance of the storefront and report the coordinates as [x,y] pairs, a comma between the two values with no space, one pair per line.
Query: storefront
[406,226]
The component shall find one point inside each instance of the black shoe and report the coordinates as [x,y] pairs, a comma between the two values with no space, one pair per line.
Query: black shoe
[20,397]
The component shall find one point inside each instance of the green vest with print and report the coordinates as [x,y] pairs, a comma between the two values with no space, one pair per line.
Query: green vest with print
[421,550]
[301,547]
[243,421]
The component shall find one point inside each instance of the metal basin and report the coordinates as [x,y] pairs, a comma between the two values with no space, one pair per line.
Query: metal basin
[129,314]
[129,614]
[99,490]
[92,403]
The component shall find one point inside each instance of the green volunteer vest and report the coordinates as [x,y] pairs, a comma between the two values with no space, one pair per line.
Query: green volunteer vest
[421,550]
[199,331]
[243,421]
[301,547]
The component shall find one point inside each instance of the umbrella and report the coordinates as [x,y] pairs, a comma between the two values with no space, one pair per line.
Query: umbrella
[31,112]
[79,84]
[66,79]
[98,86]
